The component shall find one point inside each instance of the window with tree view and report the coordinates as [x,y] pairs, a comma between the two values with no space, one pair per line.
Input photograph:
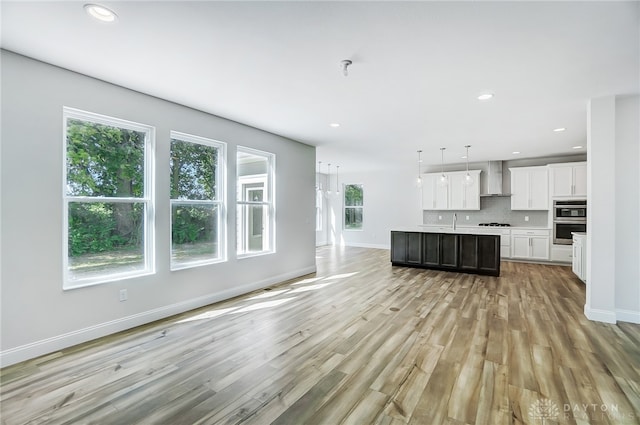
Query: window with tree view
[197,209]
[353,206]
[108,200]
[255,208]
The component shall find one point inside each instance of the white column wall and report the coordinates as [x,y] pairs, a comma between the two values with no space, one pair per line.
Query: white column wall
[627,208]
[613,222]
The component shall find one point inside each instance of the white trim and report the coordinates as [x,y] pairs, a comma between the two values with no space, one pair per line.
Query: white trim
[597,315]
[59,342]
[630,316]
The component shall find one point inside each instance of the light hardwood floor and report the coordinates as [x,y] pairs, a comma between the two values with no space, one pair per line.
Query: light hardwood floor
[360,342]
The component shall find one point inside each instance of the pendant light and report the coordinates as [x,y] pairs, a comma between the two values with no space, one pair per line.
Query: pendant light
[328,179]
[443,180]
[419,179]
[337,183]
[468,180]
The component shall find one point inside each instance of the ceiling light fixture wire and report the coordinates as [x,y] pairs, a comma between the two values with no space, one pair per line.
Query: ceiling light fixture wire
[419,179]
[443,180]
[468,180]
[328,179]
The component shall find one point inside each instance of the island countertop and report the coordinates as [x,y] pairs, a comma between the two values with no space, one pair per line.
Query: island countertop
[450,230]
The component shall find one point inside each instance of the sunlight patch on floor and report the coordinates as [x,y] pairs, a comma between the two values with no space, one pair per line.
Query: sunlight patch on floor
[266,304]
[341,276]
[208,315]
[309,280]
[311,287]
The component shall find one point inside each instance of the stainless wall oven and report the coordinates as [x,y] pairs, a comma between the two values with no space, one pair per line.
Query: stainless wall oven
[568,217]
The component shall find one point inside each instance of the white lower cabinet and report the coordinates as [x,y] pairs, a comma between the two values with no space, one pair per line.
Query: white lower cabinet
[579,265]
[561,253]
[530,244]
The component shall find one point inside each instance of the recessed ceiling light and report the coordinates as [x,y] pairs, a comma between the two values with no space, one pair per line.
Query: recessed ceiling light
[557,130]
[464,157]
[515,152]
[100,13]
[485,96]
[577,147]
[334,125]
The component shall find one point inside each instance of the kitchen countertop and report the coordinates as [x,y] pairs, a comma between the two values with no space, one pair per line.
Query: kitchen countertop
[449,229]
[483,227]
[582,234]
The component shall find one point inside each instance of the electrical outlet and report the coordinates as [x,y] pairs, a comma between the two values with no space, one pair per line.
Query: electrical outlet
[467,218]
[123,295]
[526,218]
[439,217]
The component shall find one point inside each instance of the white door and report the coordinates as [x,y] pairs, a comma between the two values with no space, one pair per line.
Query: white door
[580,180]
[442,195]
[539,247]
[519,189]
[562,181]
[539,188]
[428,192]
[456,191]
[577,259]
[520,246]
[472,194]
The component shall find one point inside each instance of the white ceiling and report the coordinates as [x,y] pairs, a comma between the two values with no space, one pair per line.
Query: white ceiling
[417,68]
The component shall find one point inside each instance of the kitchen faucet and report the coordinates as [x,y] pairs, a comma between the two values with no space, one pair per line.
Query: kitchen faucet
[455,218]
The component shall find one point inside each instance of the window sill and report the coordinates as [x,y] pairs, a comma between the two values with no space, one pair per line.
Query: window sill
[254,254]
[196,264]
[71,284]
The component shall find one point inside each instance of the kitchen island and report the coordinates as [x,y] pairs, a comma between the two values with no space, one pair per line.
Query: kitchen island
[446,249]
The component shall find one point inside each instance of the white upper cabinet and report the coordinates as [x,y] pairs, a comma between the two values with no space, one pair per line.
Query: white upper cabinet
[529,188]
[434,195]
[455,195]
[569,180]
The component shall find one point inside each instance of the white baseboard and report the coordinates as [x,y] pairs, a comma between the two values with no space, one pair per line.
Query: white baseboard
[366,245]
[630,316]
[59,342]
[596,315]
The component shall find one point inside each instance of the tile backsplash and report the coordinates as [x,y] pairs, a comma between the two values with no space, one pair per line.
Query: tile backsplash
[492,210]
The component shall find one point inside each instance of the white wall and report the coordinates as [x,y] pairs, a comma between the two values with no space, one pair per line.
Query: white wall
[627,175]
[323,234]
[613,222]
[37,315]
[391,200]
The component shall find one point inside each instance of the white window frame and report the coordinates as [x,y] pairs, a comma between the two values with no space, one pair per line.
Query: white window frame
[268,201]
[220,201]
[345,206]
[148,199]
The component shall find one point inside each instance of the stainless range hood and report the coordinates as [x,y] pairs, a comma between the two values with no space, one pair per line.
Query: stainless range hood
[494,180]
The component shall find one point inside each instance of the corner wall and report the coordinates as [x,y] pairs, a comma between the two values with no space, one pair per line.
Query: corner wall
[613,222]
[37,315]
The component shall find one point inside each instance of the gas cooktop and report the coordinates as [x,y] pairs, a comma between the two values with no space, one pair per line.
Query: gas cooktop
[495,224]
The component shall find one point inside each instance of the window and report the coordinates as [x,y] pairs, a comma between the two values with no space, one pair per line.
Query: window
[255,209]
[197,201]
[353,205]
[108,199]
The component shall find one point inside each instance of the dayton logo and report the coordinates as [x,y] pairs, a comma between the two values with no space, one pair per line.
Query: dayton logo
[543,409]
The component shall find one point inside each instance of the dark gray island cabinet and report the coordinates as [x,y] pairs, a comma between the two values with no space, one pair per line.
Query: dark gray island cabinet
[450,251]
